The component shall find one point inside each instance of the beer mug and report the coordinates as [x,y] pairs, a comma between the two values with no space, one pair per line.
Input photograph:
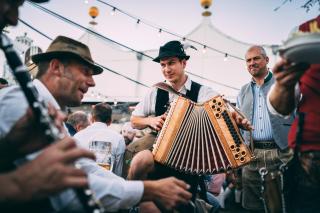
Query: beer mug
[102,151]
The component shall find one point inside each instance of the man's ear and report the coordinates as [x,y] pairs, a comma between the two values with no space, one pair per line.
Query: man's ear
[267,59]
[184,63]
[79,127]
[56,67]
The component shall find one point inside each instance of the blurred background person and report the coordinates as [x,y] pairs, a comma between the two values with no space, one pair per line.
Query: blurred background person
[107,144]
[77,121]
[128,133]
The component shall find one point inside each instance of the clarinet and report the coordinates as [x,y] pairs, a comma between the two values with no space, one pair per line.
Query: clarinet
[40,111]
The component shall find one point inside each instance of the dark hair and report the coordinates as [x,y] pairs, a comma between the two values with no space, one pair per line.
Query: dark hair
[102,112]
[42,68]
[3,81]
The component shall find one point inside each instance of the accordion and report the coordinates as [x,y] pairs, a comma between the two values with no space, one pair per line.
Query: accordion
[201,138]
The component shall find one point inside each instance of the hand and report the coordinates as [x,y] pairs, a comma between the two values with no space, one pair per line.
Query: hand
[241,121]
[52,171]
[22,142]
[287,74]
[156,123]
[167,193]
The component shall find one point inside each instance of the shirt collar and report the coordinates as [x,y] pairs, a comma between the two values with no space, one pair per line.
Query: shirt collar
[186,86]
[267,78]
[99,124]
[45,94]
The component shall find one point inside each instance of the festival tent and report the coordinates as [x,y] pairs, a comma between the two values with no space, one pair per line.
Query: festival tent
[224,69]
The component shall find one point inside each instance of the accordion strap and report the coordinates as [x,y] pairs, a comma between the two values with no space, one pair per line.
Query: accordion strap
[168,88]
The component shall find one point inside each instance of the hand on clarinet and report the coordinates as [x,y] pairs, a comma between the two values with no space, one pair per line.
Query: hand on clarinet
[26,135]
[52,171]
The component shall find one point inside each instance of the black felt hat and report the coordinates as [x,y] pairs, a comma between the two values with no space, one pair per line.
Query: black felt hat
[171,49]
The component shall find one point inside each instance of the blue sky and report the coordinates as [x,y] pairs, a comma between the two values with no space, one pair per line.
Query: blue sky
[253,21]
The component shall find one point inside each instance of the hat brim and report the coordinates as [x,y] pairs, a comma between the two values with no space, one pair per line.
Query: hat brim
[62,54]
[168,55]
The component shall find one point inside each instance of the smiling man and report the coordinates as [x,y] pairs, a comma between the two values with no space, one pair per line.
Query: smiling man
[64,76]
[270,133]
[173,61]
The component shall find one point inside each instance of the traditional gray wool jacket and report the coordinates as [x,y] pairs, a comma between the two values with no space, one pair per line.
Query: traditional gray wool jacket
[280,126]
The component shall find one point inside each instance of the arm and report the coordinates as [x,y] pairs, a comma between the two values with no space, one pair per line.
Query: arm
[118,156]
[155,123]
[19,142]
[116,193]
[142,115]
[16,124]
[167,193]
[46,175]
[282,96]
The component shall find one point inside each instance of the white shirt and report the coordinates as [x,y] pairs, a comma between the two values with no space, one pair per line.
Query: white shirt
[107,144]
[147,106]
[114,192]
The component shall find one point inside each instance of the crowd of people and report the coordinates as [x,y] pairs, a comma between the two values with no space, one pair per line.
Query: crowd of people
[280,106]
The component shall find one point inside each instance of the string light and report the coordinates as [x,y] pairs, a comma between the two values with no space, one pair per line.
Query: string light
[137,23]
[113,11]
[97,34]
[86,1]
[167,31]
[225,57]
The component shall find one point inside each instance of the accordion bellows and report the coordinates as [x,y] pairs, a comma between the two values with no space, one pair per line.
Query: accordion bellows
[200,138]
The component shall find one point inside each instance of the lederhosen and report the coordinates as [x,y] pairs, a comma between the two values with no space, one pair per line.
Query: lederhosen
[164,171]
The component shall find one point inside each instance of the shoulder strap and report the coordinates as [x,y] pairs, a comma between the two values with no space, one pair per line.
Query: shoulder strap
[193,93]
[161,102]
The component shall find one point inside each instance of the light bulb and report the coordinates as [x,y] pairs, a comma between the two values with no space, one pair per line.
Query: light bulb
[225,57]
[113,11]
[204,50]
